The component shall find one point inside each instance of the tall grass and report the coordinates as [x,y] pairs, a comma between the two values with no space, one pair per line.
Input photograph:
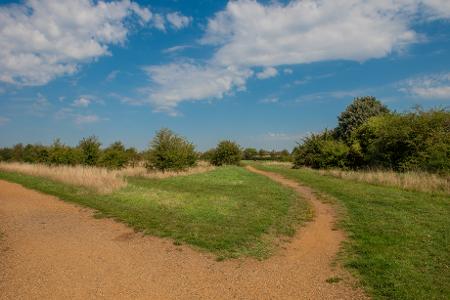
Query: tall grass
[414,181]
[141,171]
[100,180]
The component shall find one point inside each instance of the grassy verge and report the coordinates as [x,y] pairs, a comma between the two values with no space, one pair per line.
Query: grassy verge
[399,240]
[228,211]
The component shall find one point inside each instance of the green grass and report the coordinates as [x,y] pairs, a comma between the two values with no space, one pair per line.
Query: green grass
[229,211]
[399,240]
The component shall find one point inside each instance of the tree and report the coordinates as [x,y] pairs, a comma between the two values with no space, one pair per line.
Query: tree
[358,112]
[227,153]
[90,150]
[321,151]
[168,151]
[250,153]
[115,156]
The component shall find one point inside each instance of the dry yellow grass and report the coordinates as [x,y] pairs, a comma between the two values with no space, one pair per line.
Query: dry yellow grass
[415,181]
[143,172]
[99,179]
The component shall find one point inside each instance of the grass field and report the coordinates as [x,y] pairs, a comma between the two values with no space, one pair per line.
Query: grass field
[399,239]
[228,211]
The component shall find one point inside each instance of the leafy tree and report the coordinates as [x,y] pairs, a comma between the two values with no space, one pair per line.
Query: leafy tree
[115,156]
[409,141]
[168,151]
[133,157]
[321,151]
[90,150]
[60,154]
[208,154]
[358,112]
[227,153]
[250,153]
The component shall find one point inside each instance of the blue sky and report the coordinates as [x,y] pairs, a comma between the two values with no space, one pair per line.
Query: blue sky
[262,73]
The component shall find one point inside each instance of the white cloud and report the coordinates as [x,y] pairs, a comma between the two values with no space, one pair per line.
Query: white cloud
[176,48]
[270,100]
[432,86]
[253,34]
[177,82]
[248,34]
[178,21]
[267,73]
[44,39]
[4,120]
[86,119]
[83,101]
[112,75]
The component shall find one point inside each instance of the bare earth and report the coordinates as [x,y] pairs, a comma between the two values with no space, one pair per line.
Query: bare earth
[55,250]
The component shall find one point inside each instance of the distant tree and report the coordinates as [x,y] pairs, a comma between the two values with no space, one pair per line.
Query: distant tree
[227,153]
[263,153]
[250,153]
[17,152]
[208,154]
[90,150]
[358,112]
[133,157]
[114,157]
[60,154]
[169,151]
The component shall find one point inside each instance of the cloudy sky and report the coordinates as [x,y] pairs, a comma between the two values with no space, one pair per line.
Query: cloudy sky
[263,73]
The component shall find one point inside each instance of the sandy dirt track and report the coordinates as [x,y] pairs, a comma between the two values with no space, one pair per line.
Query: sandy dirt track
[55,250]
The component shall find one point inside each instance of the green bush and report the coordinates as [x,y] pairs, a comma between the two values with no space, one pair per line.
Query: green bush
[250,153]
[169,151]
[321,151]
[417,140]
[90,150]
[60,154]
[207,155]
[356,114]
[227,153]
[114,157]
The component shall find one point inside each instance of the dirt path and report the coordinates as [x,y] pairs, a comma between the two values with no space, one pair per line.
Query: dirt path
[55,250]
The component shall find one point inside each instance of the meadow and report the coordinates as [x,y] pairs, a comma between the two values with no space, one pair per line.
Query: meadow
[227,211]
[398,238]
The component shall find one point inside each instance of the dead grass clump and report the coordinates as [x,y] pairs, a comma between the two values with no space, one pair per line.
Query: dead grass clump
[99,179]
[416,181]
[141,171]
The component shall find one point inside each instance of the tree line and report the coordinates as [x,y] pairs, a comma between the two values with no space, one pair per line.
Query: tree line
[167,151]
[369,135]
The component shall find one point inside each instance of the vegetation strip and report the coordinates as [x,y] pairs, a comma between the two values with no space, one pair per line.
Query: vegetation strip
[228,211]
[398,239]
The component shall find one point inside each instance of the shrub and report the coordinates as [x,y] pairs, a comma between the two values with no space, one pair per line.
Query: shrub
[114,157]
[90,150]
[250,153]
[358,112]
[321,151]
[169,151]
[410,141]
[227,153]
[60,154]
[208,155]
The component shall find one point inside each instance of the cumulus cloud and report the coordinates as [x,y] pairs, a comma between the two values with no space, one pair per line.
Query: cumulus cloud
[44,39]
[267,73]
[86,119]
[83,101]
[177,82]
[248,34]
[177,20]
[431,86]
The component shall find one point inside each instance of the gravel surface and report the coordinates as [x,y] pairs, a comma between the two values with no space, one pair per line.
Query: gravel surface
[51,249]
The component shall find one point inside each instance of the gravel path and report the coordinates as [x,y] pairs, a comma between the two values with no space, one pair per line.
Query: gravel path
[51,249]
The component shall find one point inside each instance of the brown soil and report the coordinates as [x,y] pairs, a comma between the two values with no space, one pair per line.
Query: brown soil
[55,250]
